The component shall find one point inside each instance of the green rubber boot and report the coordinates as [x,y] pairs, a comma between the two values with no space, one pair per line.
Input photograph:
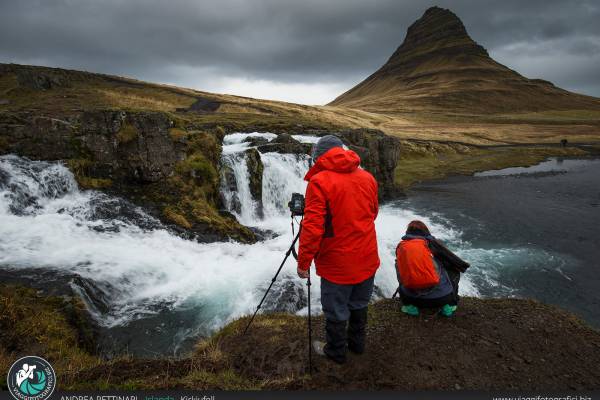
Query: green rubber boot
[410,310]
[448,310]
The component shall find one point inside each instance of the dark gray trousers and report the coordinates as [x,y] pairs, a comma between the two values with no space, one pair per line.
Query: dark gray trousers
[343,303]
[338,300]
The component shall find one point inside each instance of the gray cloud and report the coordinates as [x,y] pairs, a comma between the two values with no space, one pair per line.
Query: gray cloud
[323,46]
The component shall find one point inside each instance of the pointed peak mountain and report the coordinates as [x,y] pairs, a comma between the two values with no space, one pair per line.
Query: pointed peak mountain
[439,29]
[438,68]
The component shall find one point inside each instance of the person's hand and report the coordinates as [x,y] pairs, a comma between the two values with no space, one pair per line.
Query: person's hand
[303,273]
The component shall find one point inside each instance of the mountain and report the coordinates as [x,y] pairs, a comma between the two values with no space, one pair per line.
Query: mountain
[440,69]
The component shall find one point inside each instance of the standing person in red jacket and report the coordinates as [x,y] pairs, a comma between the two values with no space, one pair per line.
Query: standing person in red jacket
[338,233]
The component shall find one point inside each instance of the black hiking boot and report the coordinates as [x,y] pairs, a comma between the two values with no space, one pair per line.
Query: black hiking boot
[335,349]
[357,330]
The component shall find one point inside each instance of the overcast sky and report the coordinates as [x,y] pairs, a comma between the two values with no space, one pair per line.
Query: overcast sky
[304,51]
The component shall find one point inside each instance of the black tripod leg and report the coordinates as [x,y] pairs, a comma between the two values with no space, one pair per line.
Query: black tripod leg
[309,328]
[287,254]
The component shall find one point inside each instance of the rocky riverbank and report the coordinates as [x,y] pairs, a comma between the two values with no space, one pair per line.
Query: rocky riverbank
[489,344]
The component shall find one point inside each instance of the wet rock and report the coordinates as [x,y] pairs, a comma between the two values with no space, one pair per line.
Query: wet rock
[230,184]
[228,177]
[285,143]
[255,171]
[4,102]
[256,141]
[4,179]
[284,138]
[286,296]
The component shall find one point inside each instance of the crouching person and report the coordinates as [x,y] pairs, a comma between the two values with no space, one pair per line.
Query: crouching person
[428,272]
[338,233]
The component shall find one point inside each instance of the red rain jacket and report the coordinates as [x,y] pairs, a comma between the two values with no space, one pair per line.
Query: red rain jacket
[338,230]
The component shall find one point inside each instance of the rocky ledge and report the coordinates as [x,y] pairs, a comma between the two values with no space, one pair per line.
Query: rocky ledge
[493,344]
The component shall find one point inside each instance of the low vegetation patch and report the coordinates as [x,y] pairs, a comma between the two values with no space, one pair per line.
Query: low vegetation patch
[177,134]
[51,327]
[176,218]
[422,161]
[127,133]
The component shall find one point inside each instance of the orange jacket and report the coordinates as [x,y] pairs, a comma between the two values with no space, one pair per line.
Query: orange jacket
[338,230]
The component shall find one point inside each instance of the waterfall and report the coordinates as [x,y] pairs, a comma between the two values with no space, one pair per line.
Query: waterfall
[131,270]
[236,193]
[283,175]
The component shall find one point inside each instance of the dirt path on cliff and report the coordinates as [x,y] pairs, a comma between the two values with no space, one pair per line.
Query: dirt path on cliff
[489,344]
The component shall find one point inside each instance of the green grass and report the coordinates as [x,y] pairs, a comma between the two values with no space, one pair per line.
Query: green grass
[199,168]
[423,162]
[128,133]
[51,326]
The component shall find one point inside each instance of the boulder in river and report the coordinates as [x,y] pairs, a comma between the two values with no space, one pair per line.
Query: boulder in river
[255,172]
[285,143]
[256,140]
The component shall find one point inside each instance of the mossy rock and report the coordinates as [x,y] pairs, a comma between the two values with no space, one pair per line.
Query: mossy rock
[128,133]
[205,143]
[80,167]
[199,168]
[172,215]
[4,145]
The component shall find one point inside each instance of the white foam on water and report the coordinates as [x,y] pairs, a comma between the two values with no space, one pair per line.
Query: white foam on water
[306,138]
[47,222]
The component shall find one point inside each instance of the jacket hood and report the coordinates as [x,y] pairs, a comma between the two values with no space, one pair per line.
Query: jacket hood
[337,159]
[411,236]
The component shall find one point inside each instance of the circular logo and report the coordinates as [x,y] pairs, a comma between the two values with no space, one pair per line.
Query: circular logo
[31,378]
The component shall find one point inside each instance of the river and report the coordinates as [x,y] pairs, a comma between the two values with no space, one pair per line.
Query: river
[537,227]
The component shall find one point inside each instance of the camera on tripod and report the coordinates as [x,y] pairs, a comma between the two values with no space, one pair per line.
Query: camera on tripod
[296,204]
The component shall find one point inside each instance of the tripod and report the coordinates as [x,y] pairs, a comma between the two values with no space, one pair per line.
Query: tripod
[291,250]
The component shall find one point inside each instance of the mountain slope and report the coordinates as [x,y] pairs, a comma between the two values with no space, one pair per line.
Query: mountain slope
[440,69]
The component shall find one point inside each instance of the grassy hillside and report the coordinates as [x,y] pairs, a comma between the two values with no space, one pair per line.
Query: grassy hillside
[51,91]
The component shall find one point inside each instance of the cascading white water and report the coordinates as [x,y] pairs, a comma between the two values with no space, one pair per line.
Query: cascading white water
[143,269]
[283,175]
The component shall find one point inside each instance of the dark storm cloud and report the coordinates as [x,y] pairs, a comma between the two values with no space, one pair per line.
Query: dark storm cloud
[329,42]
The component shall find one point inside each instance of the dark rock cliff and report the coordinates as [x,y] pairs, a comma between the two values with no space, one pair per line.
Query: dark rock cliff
[143,156]
[379,155]
[255,170]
